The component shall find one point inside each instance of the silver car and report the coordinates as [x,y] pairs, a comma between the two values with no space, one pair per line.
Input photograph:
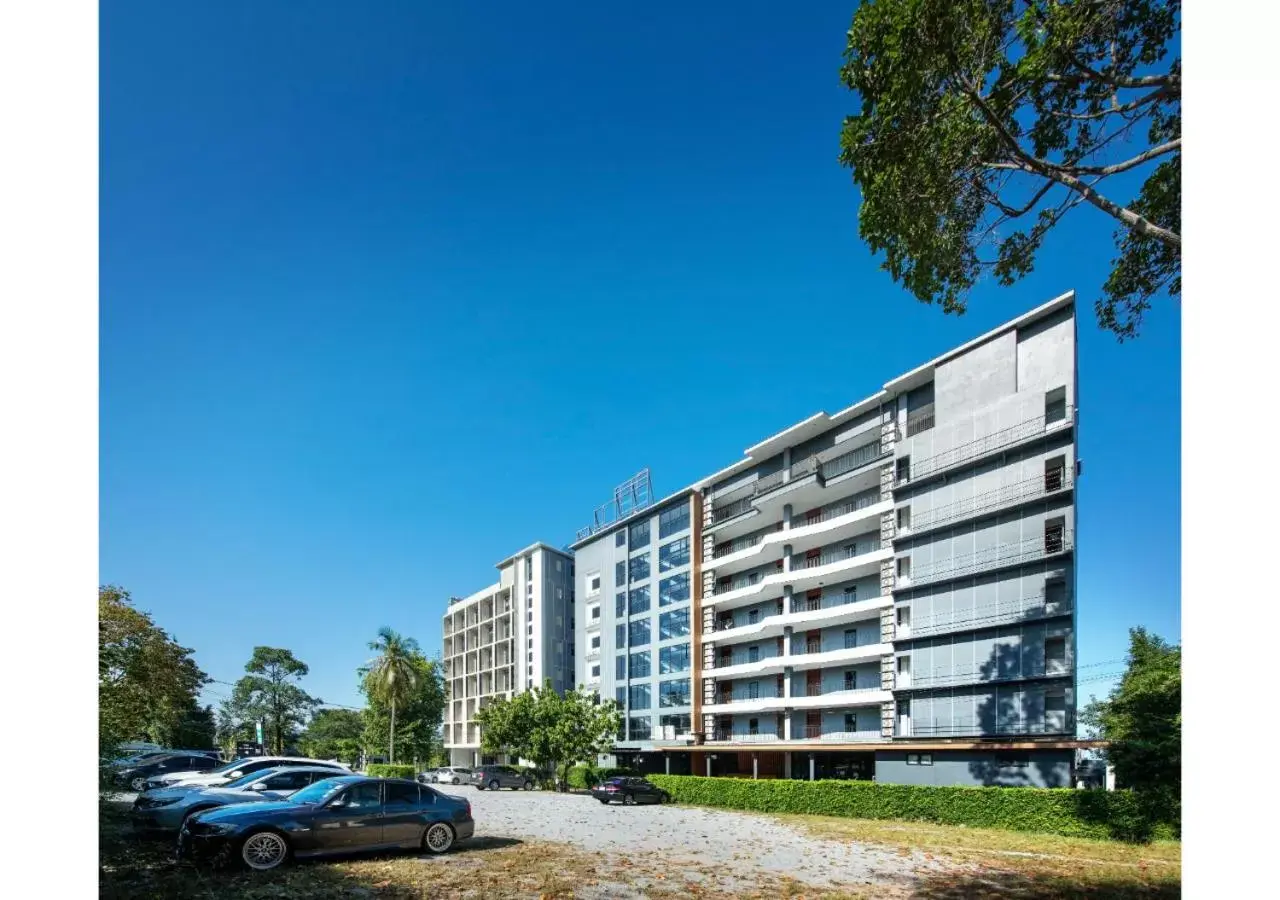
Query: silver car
[451,775]
[165,809]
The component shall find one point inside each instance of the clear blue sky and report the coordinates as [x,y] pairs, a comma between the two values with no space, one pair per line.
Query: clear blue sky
[391,290]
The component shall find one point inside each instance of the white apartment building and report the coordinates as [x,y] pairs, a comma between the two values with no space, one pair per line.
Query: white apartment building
[504,639]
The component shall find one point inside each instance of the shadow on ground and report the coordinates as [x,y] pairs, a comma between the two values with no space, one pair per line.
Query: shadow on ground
[1015,886]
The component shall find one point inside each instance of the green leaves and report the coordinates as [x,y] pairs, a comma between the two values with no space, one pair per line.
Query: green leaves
[543,726]
[271,693]
[420,701]
[976,113]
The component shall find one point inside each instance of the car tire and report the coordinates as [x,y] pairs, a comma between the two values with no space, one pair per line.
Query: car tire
[628,800]
[438,837]
[138,784]
[495,785]
[264,850]
[528,785]
[604,800]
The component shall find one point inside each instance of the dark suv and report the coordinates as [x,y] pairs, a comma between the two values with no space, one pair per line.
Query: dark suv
[495,777]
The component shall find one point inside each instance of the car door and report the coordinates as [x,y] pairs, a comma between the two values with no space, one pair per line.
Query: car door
[402,819]
[350,821]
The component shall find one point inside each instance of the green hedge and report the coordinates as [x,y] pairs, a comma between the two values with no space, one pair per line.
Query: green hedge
[383,770]
[1120,815]
[584,777]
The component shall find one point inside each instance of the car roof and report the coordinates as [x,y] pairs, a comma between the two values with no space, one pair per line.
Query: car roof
[276,770]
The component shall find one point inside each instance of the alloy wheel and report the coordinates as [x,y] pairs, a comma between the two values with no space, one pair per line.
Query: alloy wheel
[264,850]
[439,838]
[494,785]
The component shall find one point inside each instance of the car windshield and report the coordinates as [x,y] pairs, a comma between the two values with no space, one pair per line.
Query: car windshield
[231,766]
[245,780]
[319,791]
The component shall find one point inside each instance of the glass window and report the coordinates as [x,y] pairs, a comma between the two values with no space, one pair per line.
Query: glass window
[593,584]
[673,520]
[640,567]
[640,664]
[753,690]
[673,624]
[850,722]
[673,659]
[620,538]
[753,654]
[595,671]
[850,638]
[288,781]
[620,694]
[620,574]
[673,555]
[753,617]
[639,728]
[620,604]
[639,633]
[639,536]
[640,696]
[619,637]
[402,794]
[674,589]
[674,692]
[595,613]
[620,668]
[362,796]
[639,599]
[595,642]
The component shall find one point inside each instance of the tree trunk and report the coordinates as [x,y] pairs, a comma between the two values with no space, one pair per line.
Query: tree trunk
[392,751]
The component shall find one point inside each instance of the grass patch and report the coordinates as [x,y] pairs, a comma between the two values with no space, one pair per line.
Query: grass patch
[997,863]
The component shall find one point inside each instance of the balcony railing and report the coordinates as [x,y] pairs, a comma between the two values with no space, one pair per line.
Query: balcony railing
[920,420]
[950,676]
[728,510]
[971,450]
[1062,724]
[799,604]
[989,501]
[988,614]
[746,737]
[1029,550]
[740,544]
[836,555]
[853,504]
[856,458]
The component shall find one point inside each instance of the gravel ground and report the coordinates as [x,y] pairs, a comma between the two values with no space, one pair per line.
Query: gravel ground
[718,843]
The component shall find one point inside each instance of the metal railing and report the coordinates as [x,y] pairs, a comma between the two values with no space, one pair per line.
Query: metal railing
[1024,609]
[853,504]
[971,450]
[739,544]
[837,555]
[799,605]
[739,582]
[949,676]
[989,501]
[919,420]
[856,458]
[746,737]
[967,728]
[850,737]
[1029,550]
[729,510]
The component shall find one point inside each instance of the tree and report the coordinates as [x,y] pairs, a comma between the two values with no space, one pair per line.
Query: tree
[270,692]
[234,725]
[147,682]
[334,734]
[553,731]
[1142,718]
[418,712]
[980,113]
[391,675]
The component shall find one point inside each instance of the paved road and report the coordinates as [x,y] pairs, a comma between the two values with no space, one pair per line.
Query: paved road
[734,844]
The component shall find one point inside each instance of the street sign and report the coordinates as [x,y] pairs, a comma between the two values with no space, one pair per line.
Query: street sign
[259,727]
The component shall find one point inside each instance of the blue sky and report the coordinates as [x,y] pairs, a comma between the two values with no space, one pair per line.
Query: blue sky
[389,291]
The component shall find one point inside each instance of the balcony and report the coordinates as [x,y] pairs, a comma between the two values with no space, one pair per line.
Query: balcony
[968,676]
[1050,725]
[976,449]
[1052,544]
[838,612]
[843,521]
[1005,497]
[820,700]
[1026,609]
[746,737]
[770,665]
[838,567]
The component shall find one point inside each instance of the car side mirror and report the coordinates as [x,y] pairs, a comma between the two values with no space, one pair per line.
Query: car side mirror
[234,775]
[337,803]
[258,786]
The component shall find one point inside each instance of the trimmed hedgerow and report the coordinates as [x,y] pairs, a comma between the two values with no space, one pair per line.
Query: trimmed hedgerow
[385,770]
[1119,815]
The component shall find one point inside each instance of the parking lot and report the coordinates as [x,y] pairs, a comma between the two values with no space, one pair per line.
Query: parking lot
[733,849]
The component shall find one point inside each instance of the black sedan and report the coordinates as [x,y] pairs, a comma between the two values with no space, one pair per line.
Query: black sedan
[348,814]
[136,776]
[629,791]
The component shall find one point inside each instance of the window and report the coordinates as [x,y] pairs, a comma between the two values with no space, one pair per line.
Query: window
[620,538]
[1054,534]
[1055,655]
[673,520]
[620,604]
[904,620]
[674,693]
[639,536]
[850,681]
[753,726]
[639,728]
[1054,469]
[559,565]
[640,664]
[1012,761]
[678,721]
[363,796]
[1055,712]
[1055,593]
[674,589]
[595,612]
[639,600]
[620,668]
[904,567]
[850,638]
[673,555]
[904,518]
[620,695]
[673,624]
[640,567]
[595,671]
[639,633]
[639,696]
[620,574]
[289,781]
[401,794]
[753,690]
[593,584]
[620,636]
[595,642]
[753,617]
[673,659]
[1055,405]
[753,654]
[903,471]
[850,721]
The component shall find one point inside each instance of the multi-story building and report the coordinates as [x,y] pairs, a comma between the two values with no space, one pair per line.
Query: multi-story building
[884,592]
[506,638]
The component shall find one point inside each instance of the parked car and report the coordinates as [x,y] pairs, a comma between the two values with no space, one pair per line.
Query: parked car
[346,814]
[235,769]
[451,775]
[629,791]
[165,809]
[495,777]
[172,764]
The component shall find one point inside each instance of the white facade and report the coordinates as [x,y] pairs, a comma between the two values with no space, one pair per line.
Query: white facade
[506,638]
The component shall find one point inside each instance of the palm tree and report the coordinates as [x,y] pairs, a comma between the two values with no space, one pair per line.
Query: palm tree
[392,672]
